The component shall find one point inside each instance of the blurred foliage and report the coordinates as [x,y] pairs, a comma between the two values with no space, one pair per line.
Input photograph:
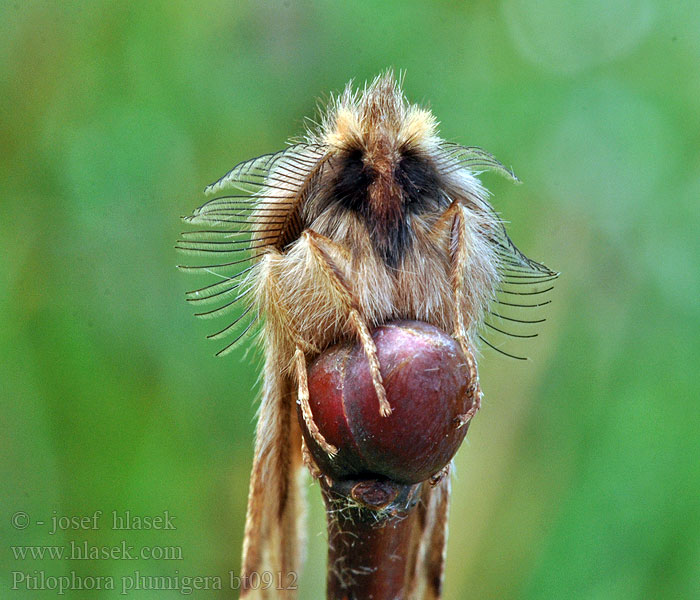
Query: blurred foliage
[579,478]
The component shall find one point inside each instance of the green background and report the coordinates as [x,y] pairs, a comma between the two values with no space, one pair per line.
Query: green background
[580,477]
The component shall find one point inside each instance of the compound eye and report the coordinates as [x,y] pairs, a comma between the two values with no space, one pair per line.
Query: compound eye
[418,179]
[353,181]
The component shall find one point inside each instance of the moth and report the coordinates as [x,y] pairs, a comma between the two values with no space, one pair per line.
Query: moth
[370,217]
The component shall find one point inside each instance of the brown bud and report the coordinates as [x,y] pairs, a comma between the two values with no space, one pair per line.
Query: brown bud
[426,380]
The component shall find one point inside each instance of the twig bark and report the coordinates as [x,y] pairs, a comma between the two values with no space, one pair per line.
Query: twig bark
[371,531]
[386,490]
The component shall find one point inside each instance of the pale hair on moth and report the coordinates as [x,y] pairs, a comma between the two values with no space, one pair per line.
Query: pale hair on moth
[371,217]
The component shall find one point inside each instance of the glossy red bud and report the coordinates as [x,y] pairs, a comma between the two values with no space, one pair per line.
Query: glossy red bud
[426,380]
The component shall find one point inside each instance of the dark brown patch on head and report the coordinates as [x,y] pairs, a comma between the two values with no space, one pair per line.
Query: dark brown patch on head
[386,188]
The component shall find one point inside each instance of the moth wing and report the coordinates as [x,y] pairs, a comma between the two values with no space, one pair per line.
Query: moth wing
[253,210]
[454,157]
[523,282]
[426,578]
[522,292]
[274,530]
[251,175]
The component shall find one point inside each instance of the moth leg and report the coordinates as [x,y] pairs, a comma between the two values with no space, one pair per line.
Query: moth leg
[321,248]
[309,461]
[371,353]
[460,264]
[474,390]
[302,348]
[303,401]
[311,465]
[440,475]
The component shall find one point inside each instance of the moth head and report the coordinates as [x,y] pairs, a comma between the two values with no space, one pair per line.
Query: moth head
[379,122]
[382,150]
